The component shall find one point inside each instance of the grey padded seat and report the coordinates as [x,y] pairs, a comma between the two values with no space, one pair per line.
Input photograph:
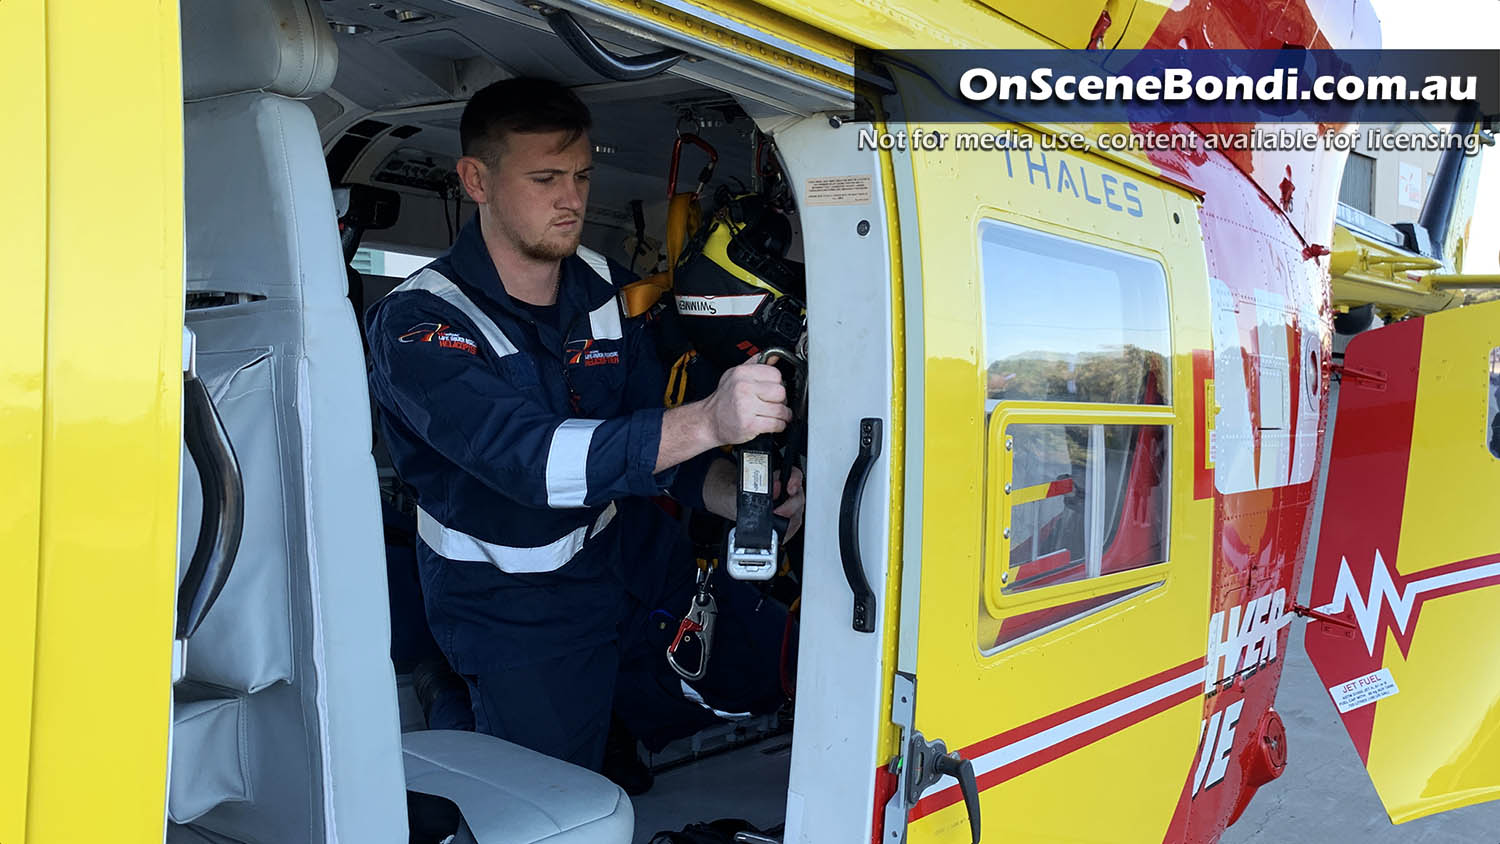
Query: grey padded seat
[511,794]
[285,725]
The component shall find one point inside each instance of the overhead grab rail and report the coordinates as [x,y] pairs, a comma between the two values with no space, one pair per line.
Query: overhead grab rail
[599,58]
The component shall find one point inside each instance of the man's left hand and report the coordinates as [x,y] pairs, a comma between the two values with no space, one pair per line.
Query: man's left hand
[794,504]
[720,494]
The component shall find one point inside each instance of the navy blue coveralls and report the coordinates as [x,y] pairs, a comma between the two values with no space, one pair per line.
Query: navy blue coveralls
[551,582]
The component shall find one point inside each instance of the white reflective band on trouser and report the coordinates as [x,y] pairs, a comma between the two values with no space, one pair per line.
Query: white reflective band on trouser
[568,462]
[456,545]
[438,285]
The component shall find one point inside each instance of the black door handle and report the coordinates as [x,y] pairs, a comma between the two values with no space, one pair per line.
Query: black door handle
[854,489]
[928,762]
[962,770]
[223,519]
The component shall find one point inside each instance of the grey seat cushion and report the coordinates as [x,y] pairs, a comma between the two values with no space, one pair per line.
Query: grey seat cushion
[511,795]
[208,756]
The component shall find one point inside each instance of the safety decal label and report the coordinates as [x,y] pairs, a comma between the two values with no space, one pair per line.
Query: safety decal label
[840,190]
[757,477]
[1363,691]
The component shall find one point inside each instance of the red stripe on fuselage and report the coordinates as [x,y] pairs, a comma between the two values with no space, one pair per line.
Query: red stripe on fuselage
[951,795]
[1048,722]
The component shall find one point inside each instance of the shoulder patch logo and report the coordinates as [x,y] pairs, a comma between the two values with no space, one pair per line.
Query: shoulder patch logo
[440,333]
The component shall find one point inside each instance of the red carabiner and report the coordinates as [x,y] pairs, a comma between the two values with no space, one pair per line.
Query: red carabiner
[708,169]
[688,626]
[700,622]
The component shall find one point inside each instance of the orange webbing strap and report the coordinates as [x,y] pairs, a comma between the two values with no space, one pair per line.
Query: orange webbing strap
[639,297]
[677,380]
[682,220]
[683,216]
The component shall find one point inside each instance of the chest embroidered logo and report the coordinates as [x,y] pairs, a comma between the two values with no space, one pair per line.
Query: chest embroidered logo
[586,353]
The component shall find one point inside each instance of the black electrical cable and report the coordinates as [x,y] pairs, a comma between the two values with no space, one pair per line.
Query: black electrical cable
[447,219]
[458,210]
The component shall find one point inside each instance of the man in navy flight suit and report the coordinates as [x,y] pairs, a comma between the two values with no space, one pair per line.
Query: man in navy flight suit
[526,411]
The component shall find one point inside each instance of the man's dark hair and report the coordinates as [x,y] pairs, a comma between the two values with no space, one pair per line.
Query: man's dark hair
[524,104]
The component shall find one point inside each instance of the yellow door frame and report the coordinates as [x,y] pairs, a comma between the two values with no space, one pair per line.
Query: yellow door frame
[90,417]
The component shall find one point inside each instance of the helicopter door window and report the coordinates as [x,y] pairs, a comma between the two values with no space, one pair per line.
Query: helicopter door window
[1085,501]
[1050,513]
[1070,321]
[1077,350]
[1492,430]
[1080,506]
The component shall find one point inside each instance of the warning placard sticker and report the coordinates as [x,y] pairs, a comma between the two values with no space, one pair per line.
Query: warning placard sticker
[840,190]
[1363,691]
[757,473]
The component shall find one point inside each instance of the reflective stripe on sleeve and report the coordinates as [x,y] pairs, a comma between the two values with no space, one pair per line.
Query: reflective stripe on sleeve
[568,462]
[457,545]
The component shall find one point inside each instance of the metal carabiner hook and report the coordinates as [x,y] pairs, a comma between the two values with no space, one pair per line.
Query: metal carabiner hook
[794,360]
[699,623]
[787,355]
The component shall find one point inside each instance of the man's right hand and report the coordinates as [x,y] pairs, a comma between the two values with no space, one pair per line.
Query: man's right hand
[749,401]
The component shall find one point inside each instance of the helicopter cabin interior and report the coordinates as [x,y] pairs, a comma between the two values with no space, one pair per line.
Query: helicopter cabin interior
[310,124]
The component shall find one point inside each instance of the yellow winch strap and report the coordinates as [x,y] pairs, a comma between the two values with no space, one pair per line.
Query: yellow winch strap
[677,379]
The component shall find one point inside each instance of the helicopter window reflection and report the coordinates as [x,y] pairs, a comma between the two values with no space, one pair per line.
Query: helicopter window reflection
[1085,501]
[1088,500]
[1069,321]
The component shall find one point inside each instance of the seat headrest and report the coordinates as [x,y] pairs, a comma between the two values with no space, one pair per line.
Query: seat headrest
[233,46]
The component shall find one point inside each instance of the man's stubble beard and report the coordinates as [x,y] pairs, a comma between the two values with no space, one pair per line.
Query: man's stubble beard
[550,250]
[542,249]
